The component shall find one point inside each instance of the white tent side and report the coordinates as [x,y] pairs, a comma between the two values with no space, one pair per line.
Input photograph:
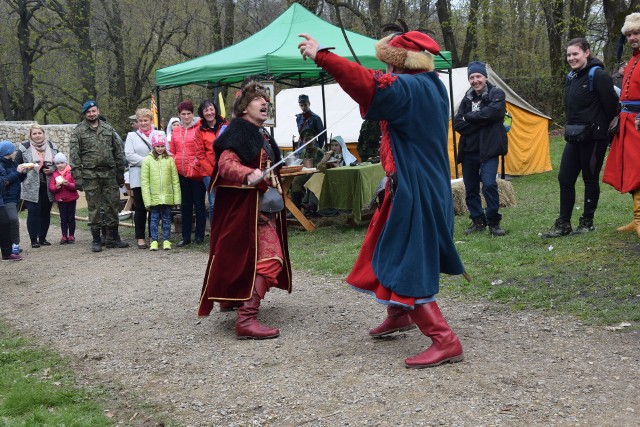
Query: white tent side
[343,114]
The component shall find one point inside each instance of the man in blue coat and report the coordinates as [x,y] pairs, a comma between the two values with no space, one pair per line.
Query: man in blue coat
[410,239]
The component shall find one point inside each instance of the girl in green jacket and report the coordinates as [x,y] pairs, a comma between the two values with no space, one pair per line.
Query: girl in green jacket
[160,190]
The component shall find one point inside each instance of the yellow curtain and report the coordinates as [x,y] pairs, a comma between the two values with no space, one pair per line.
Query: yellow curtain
[528,144]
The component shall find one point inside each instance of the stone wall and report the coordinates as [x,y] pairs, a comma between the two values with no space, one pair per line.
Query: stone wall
[16,132]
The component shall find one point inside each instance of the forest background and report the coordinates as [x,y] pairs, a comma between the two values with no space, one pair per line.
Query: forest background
[56,54]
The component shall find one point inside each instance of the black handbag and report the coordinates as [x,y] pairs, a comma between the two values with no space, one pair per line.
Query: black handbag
[270,201]
[577,133]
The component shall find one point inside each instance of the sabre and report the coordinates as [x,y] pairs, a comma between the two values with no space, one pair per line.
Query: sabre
[290,155]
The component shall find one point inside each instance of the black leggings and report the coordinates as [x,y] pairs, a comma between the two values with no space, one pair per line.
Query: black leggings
[5,239]
[140,213]
[586,157]
[39,215]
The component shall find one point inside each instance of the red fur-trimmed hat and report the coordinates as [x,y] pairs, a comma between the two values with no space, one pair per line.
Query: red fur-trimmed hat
[412,50]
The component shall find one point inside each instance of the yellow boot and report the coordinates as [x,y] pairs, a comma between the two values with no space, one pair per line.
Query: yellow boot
[636,210]
[629,227]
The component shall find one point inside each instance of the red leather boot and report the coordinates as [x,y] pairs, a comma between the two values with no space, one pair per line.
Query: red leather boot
[445,346]
[247,327]
[398,320]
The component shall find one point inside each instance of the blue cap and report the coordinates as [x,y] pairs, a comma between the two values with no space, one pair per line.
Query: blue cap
[88,105]
[477,67]
[6,148]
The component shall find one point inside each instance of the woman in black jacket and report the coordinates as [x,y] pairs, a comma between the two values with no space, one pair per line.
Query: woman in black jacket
[590,105]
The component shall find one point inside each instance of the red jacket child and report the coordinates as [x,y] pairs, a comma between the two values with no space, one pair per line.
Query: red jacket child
[63,192]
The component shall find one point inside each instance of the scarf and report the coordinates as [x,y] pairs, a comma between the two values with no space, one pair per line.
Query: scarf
[41,152]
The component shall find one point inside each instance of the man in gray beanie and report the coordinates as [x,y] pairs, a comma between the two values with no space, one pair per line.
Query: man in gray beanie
[483,138]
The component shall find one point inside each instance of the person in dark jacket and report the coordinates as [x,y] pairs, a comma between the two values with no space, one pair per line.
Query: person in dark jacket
[479,121]
[11,175]
[590,103]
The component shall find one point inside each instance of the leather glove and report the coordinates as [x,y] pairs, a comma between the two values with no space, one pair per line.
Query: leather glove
[78,183]
[120,180]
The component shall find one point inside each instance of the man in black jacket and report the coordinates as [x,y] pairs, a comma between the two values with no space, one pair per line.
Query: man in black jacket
[479,121]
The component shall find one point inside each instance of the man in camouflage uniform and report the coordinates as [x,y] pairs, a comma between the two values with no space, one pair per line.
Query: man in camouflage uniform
[369,140]
[97,165]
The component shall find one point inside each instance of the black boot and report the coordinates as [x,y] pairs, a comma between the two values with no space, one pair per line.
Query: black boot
[560,228]
[113,239]
[96,244]
[585,226]
[479,224]
[496,230]
[103,237]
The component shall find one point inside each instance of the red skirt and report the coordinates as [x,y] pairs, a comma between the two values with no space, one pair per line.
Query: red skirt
[362,277]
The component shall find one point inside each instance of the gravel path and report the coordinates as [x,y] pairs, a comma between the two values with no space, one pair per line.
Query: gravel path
[126,318]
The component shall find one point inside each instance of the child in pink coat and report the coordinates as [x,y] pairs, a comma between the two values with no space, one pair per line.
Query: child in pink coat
[65,194]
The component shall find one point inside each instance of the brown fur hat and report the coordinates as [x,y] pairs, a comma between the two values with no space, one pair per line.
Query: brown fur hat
[631,23]
[412,50]
[248,93]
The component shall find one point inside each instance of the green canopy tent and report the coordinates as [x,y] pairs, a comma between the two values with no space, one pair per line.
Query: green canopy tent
[272,54]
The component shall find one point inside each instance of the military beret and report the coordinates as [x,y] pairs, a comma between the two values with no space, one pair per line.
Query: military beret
[88,105]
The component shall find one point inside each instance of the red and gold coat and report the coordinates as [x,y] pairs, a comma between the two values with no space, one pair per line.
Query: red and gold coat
[242,237]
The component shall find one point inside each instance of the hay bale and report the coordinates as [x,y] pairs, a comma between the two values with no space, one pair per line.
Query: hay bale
[505,191]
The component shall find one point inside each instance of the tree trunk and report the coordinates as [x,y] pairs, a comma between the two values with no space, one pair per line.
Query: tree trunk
[229,21]
[471,38]
[443,7]
[216,30]
[85,54]
[26,110]
[553,13]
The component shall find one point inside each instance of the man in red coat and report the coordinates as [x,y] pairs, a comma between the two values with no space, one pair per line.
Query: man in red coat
[622,170]
[249,252]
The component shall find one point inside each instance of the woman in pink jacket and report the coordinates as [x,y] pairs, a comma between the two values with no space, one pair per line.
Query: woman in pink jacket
[192,164]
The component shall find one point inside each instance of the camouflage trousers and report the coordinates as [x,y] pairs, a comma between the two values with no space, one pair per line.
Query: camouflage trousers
[102,193]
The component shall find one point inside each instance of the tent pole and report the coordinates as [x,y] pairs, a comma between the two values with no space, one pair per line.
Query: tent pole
[158,105]
[324,107]
[453,132]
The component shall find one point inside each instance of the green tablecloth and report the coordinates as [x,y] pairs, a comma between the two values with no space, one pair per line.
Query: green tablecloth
[350,188]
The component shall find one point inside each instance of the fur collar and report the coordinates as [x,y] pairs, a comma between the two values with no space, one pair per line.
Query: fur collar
[245,139]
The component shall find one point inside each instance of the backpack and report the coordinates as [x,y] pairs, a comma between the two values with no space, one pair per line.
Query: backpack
[592,72]
[507,121]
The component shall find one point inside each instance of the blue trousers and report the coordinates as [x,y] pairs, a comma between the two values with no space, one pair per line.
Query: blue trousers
[158,212]
[211,195]
[475,172]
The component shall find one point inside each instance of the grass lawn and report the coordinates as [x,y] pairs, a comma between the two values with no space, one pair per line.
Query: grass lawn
[37,389]
[593,276]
